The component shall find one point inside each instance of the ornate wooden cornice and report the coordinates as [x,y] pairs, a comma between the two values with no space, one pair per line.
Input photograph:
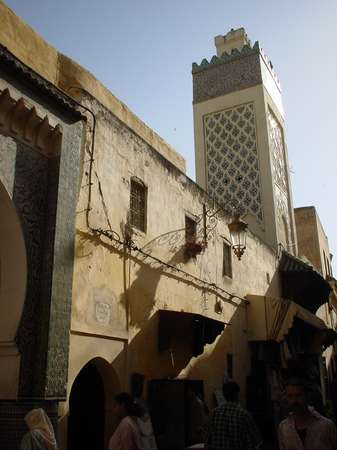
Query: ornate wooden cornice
[21,120]
[43,88]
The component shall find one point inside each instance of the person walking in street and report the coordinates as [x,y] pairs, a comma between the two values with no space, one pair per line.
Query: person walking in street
[304,428]
[41,433]
[231,427]
[144,421]
[127,434]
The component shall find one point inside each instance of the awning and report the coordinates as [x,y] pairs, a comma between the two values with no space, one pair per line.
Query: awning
[333,294]
[302,283]
[271,318]
[179,329]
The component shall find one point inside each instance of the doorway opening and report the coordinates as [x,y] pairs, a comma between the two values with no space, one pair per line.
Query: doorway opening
[86,421]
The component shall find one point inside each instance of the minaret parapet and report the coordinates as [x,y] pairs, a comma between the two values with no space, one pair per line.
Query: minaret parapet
[231,47]
[226,57]
[270,67]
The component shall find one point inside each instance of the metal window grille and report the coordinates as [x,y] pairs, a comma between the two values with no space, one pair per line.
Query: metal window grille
[138,205]
[190,229]
[227,260]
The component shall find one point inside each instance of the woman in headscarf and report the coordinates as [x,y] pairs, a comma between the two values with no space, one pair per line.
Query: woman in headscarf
[41,433]
[127,435]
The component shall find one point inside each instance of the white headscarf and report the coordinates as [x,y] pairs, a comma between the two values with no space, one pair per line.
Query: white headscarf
[40,425]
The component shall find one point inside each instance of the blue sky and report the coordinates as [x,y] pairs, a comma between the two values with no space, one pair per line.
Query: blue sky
[143,52]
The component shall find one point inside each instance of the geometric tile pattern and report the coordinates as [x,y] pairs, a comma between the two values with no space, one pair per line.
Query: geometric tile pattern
[232,159]
[277,152]
[280,180]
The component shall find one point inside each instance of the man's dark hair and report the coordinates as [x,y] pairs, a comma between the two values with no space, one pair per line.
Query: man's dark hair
[231,391]
[296,381]
[137,384]
[131,408]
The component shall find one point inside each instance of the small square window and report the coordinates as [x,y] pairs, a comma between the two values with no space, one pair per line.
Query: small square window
[227,260]
[190,229]
[138,195]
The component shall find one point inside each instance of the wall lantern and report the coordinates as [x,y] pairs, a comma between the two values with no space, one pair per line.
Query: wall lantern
[238,233]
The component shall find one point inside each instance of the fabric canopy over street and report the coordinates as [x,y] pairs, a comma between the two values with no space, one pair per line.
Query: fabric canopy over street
[302,283]
[272,318]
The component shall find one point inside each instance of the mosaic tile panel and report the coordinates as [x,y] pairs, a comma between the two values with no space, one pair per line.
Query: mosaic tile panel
[232,159]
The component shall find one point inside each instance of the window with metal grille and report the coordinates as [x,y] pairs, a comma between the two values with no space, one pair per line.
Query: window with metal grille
[227,260]
[138,196]
[190,229]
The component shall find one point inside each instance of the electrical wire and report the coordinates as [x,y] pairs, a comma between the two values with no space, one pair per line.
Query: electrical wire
[211,286]
[114,236]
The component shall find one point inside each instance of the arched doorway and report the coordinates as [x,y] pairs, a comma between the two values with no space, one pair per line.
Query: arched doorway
[91,421]
[87,410]
[13,277]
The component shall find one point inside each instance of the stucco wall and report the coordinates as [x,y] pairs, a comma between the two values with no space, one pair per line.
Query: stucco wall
[312,240]
[118,293]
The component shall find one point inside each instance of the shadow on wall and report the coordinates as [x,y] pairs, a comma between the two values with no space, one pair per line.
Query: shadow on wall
[178,362]
[140,295]
[211,365]
[139,298]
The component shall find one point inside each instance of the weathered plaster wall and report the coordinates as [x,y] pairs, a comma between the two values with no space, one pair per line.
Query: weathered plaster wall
[36,53]
[312,240]
[313,244]
[117,293]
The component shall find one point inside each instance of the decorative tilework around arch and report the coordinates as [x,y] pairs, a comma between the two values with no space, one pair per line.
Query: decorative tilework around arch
[232,159]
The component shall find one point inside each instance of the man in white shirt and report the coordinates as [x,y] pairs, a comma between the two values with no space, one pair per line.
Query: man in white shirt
[305,428]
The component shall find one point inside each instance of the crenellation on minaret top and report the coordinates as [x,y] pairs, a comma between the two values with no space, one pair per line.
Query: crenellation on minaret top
[237,65]
[234,39]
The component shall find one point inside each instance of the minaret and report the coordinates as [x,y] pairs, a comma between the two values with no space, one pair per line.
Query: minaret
[240,150]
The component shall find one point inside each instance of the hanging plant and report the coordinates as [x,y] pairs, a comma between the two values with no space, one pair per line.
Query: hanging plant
[192,249]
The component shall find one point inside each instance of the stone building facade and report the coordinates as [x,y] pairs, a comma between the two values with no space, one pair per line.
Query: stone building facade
[128,262]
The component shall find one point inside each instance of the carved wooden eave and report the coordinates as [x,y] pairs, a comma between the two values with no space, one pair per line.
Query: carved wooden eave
[21,120]
[15,68]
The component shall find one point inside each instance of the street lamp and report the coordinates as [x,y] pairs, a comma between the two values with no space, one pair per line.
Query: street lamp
[238,234]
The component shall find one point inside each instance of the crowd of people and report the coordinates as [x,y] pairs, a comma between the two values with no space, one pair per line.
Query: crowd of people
[230,426]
